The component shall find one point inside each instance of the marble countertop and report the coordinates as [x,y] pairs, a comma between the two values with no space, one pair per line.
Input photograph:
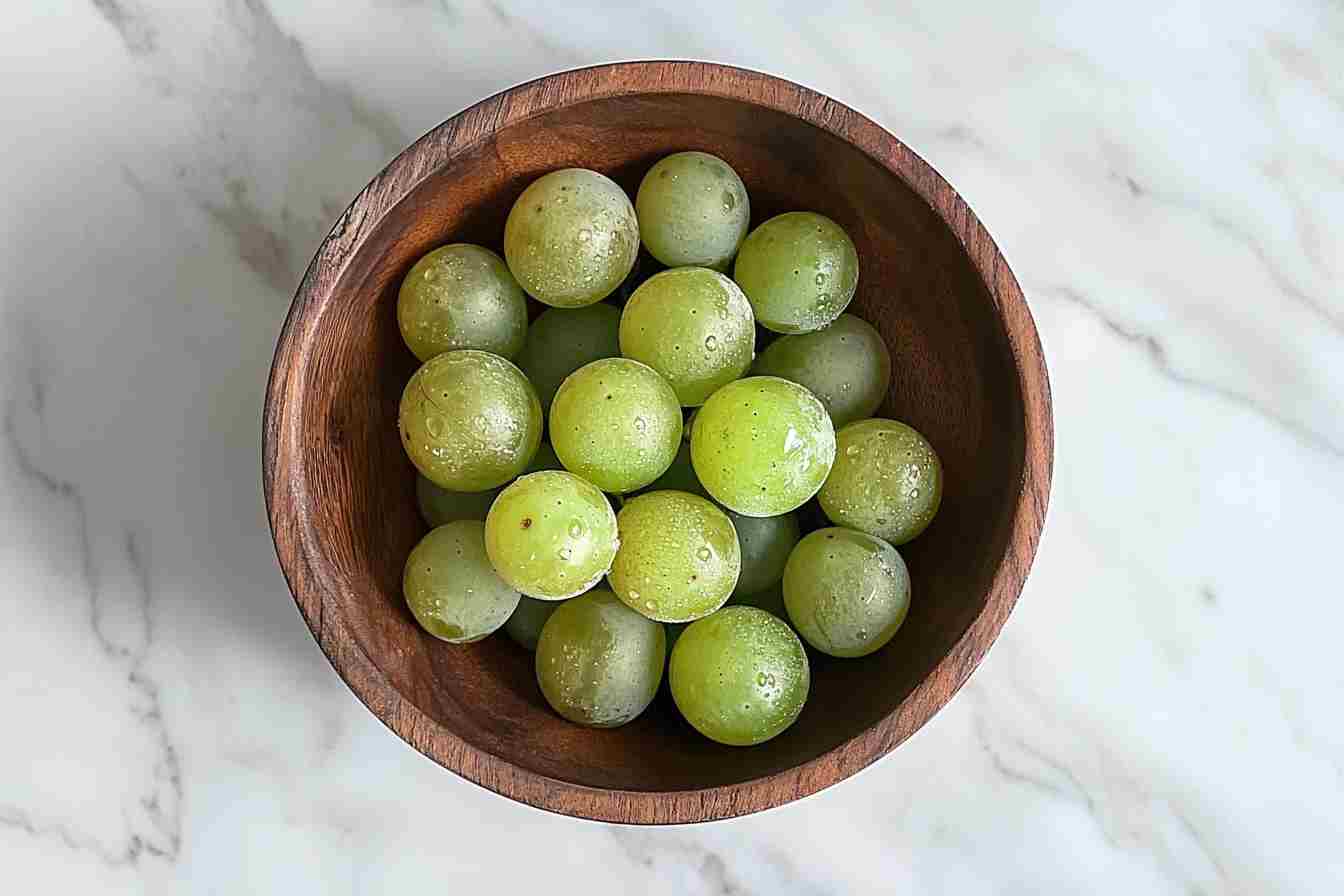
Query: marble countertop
[1162,712]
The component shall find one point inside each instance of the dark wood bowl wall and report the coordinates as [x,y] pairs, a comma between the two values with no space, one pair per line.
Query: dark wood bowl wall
[931,283]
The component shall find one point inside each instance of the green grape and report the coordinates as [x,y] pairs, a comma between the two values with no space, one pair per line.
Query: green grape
[551,535]
[762,446]
[679,558]
[439,506]
[771,600]
[524,626]
[680,476]
[616,423]
[461,296]
[739,676]
[887,481]
[451,588]
[561,340]
[571,238]
[599,662]
[799,270]
[846,592]
[846,365]
[469,420]
[693,326]
[693,210]
[766,542]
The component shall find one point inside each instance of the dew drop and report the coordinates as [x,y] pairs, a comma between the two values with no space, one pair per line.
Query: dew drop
[820,278]
[436,426]
[649,605]
[576,529]
[729,201]
[862,633]
[711,343]
[641,424]
[881,521]
[430,274]
[914,493]
[852,450]
[703,554]
[585,235]
[760,679]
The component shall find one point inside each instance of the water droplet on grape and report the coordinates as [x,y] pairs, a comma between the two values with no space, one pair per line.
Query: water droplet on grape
[852,450]
[704,554]
[641,424]
[862,633]
[649,605]
[914,493]
[760,679]
[881,521]
[820,278]
[585,235]
[729,201]
[711,344]
[436,426]
[430,274]
[576,529]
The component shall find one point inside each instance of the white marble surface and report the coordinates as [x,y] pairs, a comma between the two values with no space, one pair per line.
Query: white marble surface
[1162,712]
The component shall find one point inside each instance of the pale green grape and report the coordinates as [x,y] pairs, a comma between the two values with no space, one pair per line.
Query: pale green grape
[524,626]
[846,365]
[762,445]
[766,542]
[693,210]
[571,238]
[739,676]
[461,296]
[846,592]
[799,270]
[693,326]
[679,558]
[616,423]
[887,481]
[561,340]
[599,662]
[451,588]
[439,506]
[551,535]
[469,420]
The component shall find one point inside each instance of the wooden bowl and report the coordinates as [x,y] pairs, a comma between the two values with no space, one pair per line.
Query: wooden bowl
[968,373]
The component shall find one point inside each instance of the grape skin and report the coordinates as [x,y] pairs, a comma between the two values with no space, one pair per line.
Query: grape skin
[887,480]
[598,662]
[693,210]
[762,446]
[799,270]
[571,238]
[846,592]
[461,296]
[551,535]
[561,340]
[740,676]
[846,365]
[692,325]
[450,587]
[469,420]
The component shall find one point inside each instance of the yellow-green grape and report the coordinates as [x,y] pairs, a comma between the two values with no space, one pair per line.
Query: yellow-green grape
[571,237]
[762,446]
[693,210]
[439,506]
[561,340]
[679,558]
[846,365]
[766,542]
[693,326]
[739,676]
[451,588]
[524,626]
[551,535]
[846,592]
[599,662]
[469,420]
[616,423]
[799,270]
[461,296]
[887,480]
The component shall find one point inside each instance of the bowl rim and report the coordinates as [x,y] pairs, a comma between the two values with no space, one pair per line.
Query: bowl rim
[290,516]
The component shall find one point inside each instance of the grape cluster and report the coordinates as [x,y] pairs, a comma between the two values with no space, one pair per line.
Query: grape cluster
[663,525]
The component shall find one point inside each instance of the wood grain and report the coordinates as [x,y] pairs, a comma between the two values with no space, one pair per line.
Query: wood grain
[968,373]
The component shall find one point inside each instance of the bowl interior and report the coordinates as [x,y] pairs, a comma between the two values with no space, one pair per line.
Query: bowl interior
[954,379]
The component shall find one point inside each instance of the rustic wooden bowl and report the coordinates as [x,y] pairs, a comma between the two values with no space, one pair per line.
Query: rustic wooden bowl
[968,374]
